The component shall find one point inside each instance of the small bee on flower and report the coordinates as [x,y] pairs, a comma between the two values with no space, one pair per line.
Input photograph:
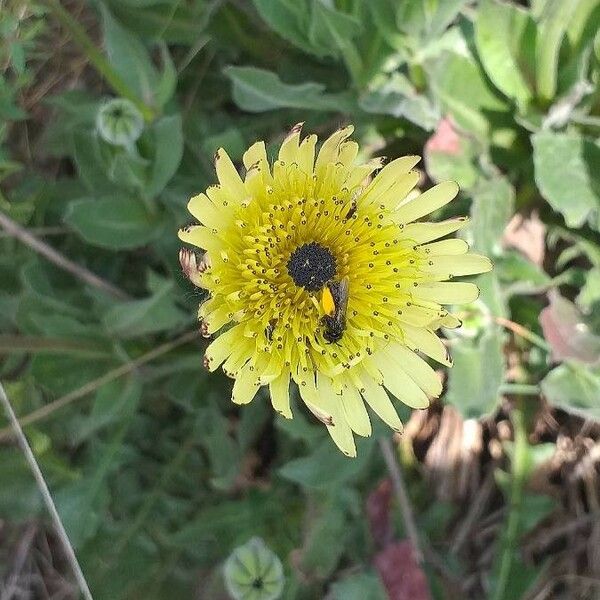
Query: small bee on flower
[321,274]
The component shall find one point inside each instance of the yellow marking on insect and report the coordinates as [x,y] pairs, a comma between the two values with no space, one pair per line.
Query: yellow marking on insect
[327,302]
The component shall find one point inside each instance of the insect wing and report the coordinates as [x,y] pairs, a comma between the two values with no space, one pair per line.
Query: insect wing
[341,299]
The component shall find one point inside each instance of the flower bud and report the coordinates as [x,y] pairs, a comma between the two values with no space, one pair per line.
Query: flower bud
[119,122]
[254,571]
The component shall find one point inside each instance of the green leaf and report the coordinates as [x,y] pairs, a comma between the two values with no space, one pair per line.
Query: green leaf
[505,37]
[230,138]
[552,26]
[131,60]
[257,90]
[326,538]
[383,13]
[92,162]
[62,374]
[82,504]
[522,275]
[299,428]
[127,170]
[396,96]
[535,506]
[335,30]
[574,387]
[223,454]
[223,524]
[168,149]
[112,402]
[426,20]
[461,86]
[567,175]
[492,208]
[150,315]
[48,292]
[289,18]
[442,15]
[360,586]
[326,467]
[473,383]
[113,222]
[168,78]
[174,22]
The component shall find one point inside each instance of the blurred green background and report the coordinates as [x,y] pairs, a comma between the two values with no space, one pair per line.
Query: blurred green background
[158,477]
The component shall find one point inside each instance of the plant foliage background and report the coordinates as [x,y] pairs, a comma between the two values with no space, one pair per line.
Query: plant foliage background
[157,476]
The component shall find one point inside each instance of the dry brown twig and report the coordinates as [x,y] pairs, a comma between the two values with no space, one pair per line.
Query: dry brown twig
[93,385]
[47,497]
[20,233]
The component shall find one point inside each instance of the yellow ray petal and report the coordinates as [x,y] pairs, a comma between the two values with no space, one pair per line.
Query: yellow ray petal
[359,422]
[378,399]
[424,340]
[257,153]
[205,211]
[201,236]
[389,176]
[217,318]
[398,191]
[280,394]
[359,173]
[306,154]
[245,386]
[229,179]
[219,198]
[318,404]
[271,370]
[222,347]
[450,247]
[348,153]
[450,321]
[419,316]
[447,292]
[237,359]
[339,430]
[397,381]
[355,411]
[418,370]
[427,202]
[341,434]
[421,233]
[288,151]
[330,149]
[451,266]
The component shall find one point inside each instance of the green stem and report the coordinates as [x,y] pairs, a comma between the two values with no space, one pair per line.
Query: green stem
[353,63]
[524,389]
[97,59]
[509,539]
[371,66]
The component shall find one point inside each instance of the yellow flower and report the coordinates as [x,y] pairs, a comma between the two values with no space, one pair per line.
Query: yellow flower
[320,275]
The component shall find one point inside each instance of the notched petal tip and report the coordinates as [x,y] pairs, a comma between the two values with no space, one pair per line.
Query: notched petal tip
[184,230]
[297,128]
